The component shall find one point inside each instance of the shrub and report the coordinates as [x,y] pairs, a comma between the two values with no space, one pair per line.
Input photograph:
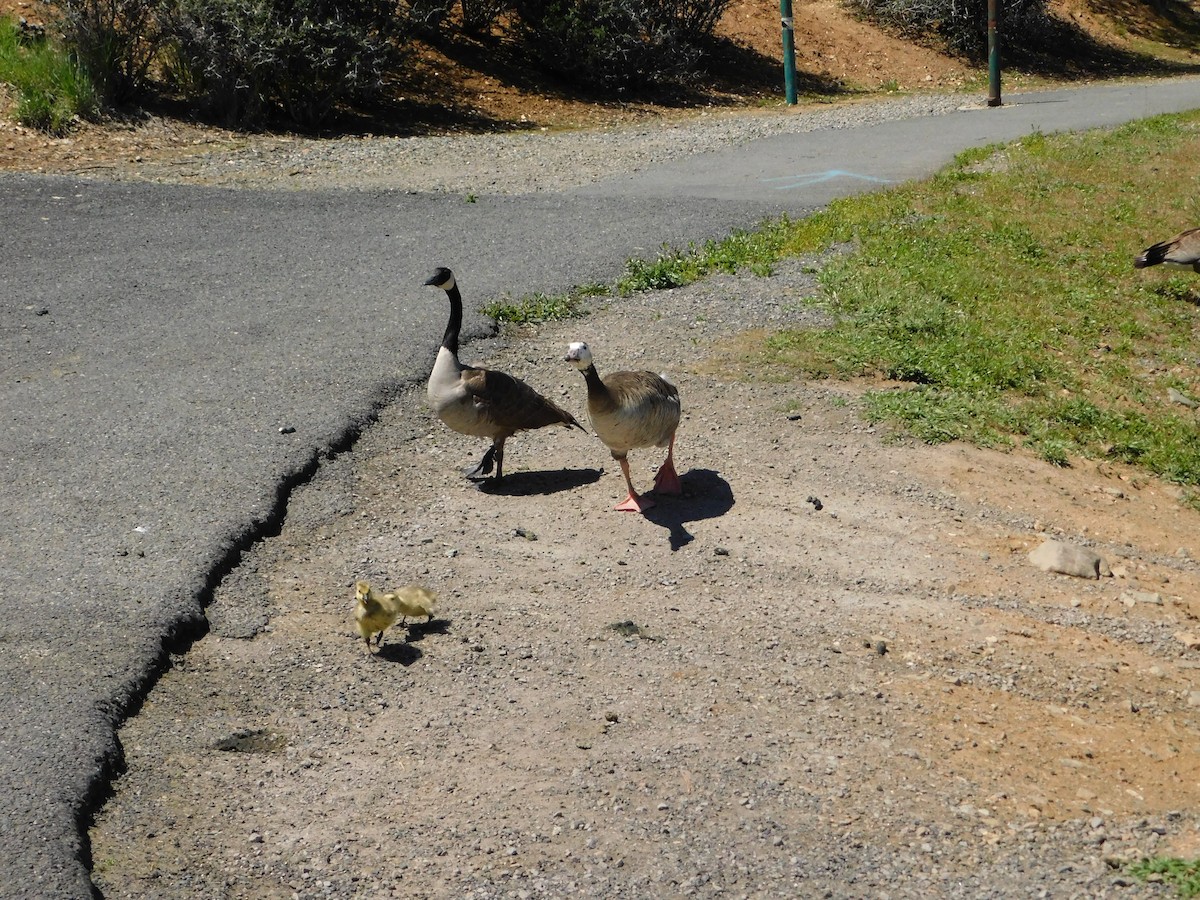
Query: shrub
[478,16]
[255,59]
[618,43]
[115,41]
[961,24]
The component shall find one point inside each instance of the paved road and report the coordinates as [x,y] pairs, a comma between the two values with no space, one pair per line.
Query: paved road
[159,344]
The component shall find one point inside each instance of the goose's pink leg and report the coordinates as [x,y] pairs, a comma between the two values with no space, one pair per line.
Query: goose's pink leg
[666,481]
[633,503]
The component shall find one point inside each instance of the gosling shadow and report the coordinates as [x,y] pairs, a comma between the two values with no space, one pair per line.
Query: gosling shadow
[418,630]
[540,483]
[706,495]
[399,652]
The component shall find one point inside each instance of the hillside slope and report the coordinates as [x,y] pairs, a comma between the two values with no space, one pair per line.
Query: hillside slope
[461,86]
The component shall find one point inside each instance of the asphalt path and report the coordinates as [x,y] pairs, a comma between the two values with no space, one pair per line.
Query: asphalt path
[175,360]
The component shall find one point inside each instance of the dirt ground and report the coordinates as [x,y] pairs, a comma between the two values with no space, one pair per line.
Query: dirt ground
[829,668]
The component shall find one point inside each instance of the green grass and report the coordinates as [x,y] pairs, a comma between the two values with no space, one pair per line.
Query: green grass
[534,308]
[1181,874]
[757,250]
[52,90]
[753,250]
[997,303]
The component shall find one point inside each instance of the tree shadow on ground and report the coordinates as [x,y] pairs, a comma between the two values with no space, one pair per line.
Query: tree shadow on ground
[1054,47]
[706,495]
[739,69]
[1171,22]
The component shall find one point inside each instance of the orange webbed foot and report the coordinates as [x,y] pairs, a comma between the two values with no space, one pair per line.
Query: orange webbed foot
[634,503]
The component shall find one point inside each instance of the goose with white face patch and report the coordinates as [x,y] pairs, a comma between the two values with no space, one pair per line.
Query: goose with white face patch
[483,402]
[630,410]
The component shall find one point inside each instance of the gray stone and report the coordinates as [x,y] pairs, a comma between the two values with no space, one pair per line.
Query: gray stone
[1183,399]
[1067,559]
[1132,598]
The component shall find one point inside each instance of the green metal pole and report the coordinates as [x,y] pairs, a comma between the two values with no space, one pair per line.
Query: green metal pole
[789,52]
[993,14]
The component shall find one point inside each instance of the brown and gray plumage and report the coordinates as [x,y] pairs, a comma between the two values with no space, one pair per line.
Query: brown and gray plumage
[630,410]
[483,402]
[1181,252]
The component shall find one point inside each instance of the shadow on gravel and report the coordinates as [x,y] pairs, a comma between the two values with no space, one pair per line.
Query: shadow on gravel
[524,484]
[706,495]
[418,630]
[405,654]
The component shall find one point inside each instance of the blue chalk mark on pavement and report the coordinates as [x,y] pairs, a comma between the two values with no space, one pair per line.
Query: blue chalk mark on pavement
[796,181]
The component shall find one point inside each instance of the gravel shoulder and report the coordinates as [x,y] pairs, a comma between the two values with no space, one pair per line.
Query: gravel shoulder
[505,163]
[827,669]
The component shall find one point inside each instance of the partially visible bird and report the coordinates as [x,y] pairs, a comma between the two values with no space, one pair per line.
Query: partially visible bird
[628,410]
[483,402]
[414,600]
[1180,252]
[375,612]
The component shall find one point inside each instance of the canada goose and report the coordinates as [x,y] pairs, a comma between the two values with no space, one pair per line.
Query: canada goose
[483,402]
[1181,251]
[628,410]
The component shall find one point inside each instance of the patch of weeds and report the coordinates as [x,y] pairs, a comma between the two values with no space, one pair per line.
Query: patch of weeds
[756,251]
[1183,875]
[534,308]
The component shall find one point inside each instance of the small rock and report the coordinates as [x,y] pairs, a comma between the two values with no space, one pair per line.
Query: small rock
[1177,397]
[879,645]
[1189,639]
[1132,598]
[1067,559]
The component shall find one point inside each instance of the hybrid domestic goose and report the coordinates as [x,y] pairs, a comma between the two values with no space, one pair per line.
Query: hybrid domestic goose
[629,410]
[483,402]
[1181,251]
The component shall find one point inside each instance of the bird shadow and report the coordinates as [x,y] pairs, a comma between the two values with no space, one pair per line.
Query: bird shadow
[418,630]
[706,495]
[404,652]
[399,652]
[550,481]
